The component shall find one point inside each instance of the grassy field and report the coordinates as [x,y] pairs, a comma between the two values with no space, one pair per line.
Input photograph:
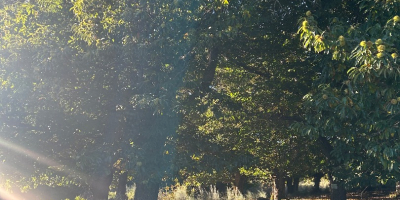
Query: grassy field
[260,191]
[181,192]
[305,187]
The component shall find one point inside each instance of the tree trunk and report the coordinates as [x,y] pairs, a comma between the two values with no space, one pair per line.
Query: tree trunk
[296,182]
[292,184]
[240,182]
[100,186]
[317,181]
[121,188]
[289,185]
[146,191]
[279,186]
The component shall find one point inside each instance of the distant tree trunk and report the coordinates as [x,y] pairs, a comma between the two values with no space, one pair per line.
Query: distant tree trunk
[221,187]
[121,187]
[397,189]
[292,184]
[317,181]
[100,186]
[240,182]
[289,185]
[146,191]
[296,182]
[338,191]
[279,185]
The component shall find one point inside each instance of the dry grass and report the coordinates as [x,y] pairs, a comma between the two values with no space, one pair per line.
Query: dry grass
[183,193]
[179,192]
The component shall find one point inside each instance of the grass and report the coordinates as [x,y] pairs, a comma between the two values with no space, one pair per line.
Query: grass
[306,185]
[184,193]
[180,192]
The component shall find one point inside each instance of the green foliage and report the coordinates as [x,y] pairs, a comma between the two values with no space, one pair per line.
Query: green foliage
[82,77]
[354,104]
[93,87]
[240,118]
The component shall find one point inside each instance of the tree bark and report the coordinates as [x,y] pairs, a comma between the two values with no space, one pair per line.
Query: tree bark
[317,181]
[279,185]
[100,186]
[292,184]
[221,187]
[289,185]
[240,182]
[209,72]
[146,191]
[397,189]
[121,188]
[296,182]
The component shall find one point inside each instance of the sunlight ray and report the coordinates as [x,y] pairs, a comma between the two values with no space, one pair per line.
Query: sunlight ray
[4,194]
[31,154]
[41,159]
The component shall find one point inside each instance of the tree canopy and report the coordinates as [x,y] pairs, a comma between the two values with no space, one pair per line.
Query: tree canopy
[353,107]
[151,92]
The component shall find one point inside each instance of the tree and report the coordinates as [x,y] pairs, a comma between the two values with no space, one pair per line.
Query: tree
[353,107]
[237,108]
[95,89]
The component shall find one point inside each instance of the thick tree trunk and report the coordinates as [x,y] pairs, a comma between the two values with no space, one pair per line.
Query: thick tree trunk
[279,186]
[121,187]
[100,186]
[317,181]
[146,191]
